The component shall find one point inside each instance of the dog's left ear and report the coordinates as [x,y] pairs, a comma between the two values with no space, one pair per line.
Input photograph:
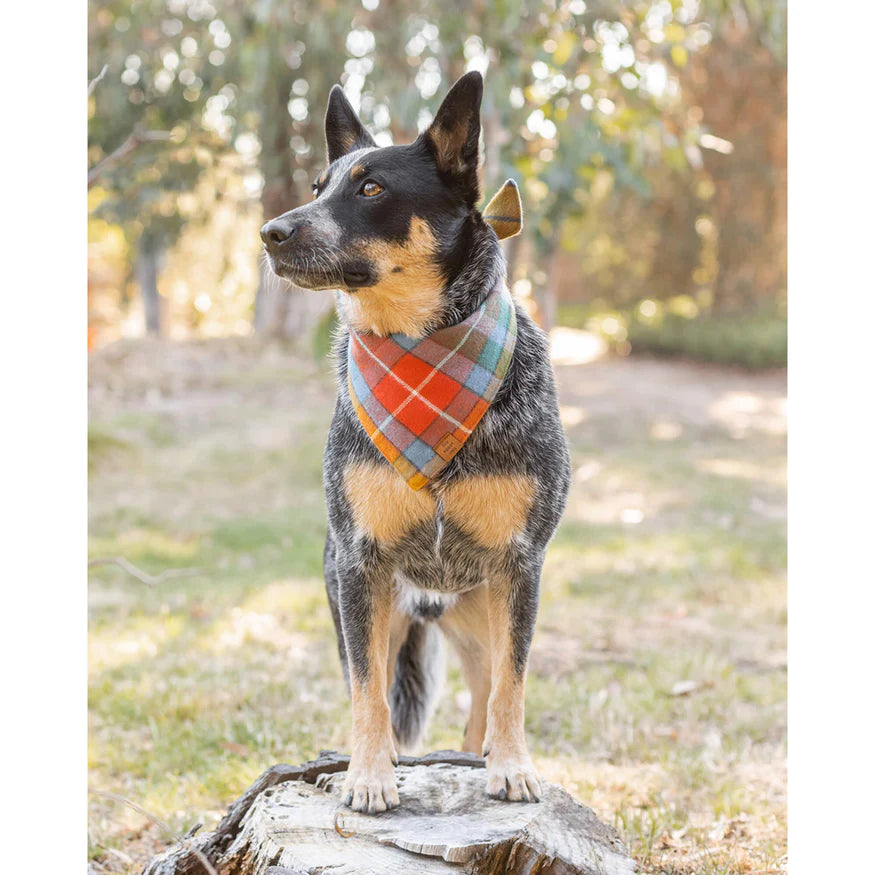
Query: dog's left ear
[343,130]
[454,135]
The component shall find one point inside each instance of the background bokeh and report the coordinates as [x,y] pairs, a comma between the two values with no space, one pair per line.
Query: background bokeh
[649,141]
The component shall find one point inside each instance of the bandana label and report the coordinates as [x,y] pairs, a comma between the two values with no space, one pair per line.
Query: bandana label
[420,399]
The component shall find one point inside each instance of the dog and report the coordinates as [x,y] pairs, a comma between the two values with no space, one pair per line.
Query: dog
[449,544]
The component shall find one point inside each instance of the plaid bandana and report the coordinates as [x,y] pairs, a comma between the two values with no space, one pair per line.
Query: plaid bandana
[420,399]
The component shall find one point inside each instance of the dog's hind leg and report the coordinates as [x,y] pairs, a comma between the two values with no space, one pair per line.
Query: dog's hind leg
[466,625]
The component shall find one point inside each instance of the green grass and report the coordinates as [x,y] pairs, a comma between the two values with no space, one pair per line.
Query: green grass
[753,340]
[668,567]
[750,341]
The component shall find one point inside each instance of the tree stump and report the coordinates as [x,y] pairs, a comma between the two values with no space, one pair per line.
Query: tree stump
[291,821]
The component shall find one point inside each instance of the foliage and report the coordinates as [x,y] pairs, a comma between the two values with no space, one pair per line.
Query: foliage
[677,328]
[621,120]
[159,78]
[752,340]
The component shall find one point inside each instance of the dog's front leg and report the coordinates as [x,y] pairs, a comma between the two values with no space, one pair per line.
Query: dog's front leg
[512,604]
[365,607]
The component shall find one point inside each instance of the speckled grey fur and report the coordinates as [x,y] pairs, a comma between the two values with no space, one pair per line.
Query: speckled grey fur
[520,434]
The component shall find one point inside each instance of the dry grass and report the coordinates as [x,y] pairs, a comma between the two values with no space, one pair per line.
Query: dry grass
[658,678]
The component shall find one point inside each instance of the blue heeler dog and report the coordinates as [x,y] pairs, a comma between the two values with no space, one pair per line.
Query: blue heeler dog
[396,232]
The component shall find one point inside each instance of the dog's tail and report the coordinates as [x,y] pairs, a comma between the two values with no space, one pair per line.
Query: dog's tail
[419,674]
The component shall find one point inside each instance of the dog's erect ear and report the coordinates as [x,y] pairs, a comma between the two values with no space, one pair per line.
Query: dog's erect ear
[454,134]
[343,130]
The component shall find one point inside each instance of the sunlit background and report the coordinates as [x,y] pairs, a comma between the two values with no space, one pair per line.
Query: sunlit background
[649,139]
[649,142]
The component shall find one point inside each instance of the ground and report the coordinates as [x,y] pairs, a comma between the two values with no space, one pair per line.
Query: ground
[657,685]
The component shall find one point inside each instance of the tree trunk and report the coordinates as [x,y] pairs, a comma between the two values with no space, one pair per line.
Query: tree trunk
[287,311]
[512,256]
[281,309]
[260,316]
[741,86]
[292,821]
[544,282]
[272,296]
[271,303]
[148,267]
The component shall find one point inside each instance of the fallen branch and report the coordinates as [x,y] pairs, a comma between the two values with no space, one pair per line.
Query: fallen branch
[183,840]
[134,140]
[138,573]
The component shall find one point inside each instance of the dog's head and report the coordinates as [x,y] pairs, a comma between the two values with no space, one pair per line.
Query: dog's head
[392,226]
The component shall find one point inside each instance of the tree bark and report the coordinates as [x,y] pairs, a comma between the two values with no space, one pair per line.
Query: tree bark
[286,311]
[291,820]
[148,267]
[545,287]
[512,256]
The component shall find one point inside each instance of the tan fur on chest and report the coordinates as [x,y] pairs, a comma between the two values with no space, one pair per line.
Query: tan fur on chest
[492,508]
[383,505]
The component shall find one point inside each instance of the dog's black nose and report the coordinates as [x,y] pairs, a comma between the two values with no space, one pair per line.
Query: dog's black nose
[277,231]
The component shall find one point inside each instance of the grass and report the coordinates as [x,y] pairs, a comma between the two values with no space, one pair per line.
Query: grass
[754,341]
[677,329]
[668,568]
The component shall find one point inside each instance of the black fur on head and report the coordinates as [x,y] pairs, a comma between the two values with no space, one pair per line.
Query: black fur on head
[344,132]
[397,227]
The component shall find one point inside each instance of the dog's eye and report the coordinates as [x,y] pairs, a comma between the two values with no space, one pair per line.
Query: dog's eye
[315,188]
[371,189]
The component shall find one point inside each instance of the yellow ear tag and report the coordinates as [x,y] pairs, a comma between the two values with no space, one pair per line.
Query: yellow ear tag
[504,213]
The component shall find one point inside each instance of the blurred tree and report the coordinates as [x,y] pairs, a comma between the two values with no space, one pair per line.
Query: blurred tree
[288,59]
[604,110]
[562,99]
[741,84]
[712,224]
[163,63]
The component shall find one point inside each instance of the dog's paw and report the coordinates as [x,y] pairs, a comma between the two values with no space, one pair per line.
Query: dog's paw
[512,778]
[371,787]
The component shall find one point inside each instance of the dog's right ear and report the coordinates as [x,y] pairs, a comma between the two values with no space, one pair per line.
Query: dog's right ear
[343,130]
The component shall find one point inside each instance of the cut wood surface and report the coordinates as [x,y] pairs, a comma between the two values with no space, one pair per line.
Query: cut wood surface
[292,821]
